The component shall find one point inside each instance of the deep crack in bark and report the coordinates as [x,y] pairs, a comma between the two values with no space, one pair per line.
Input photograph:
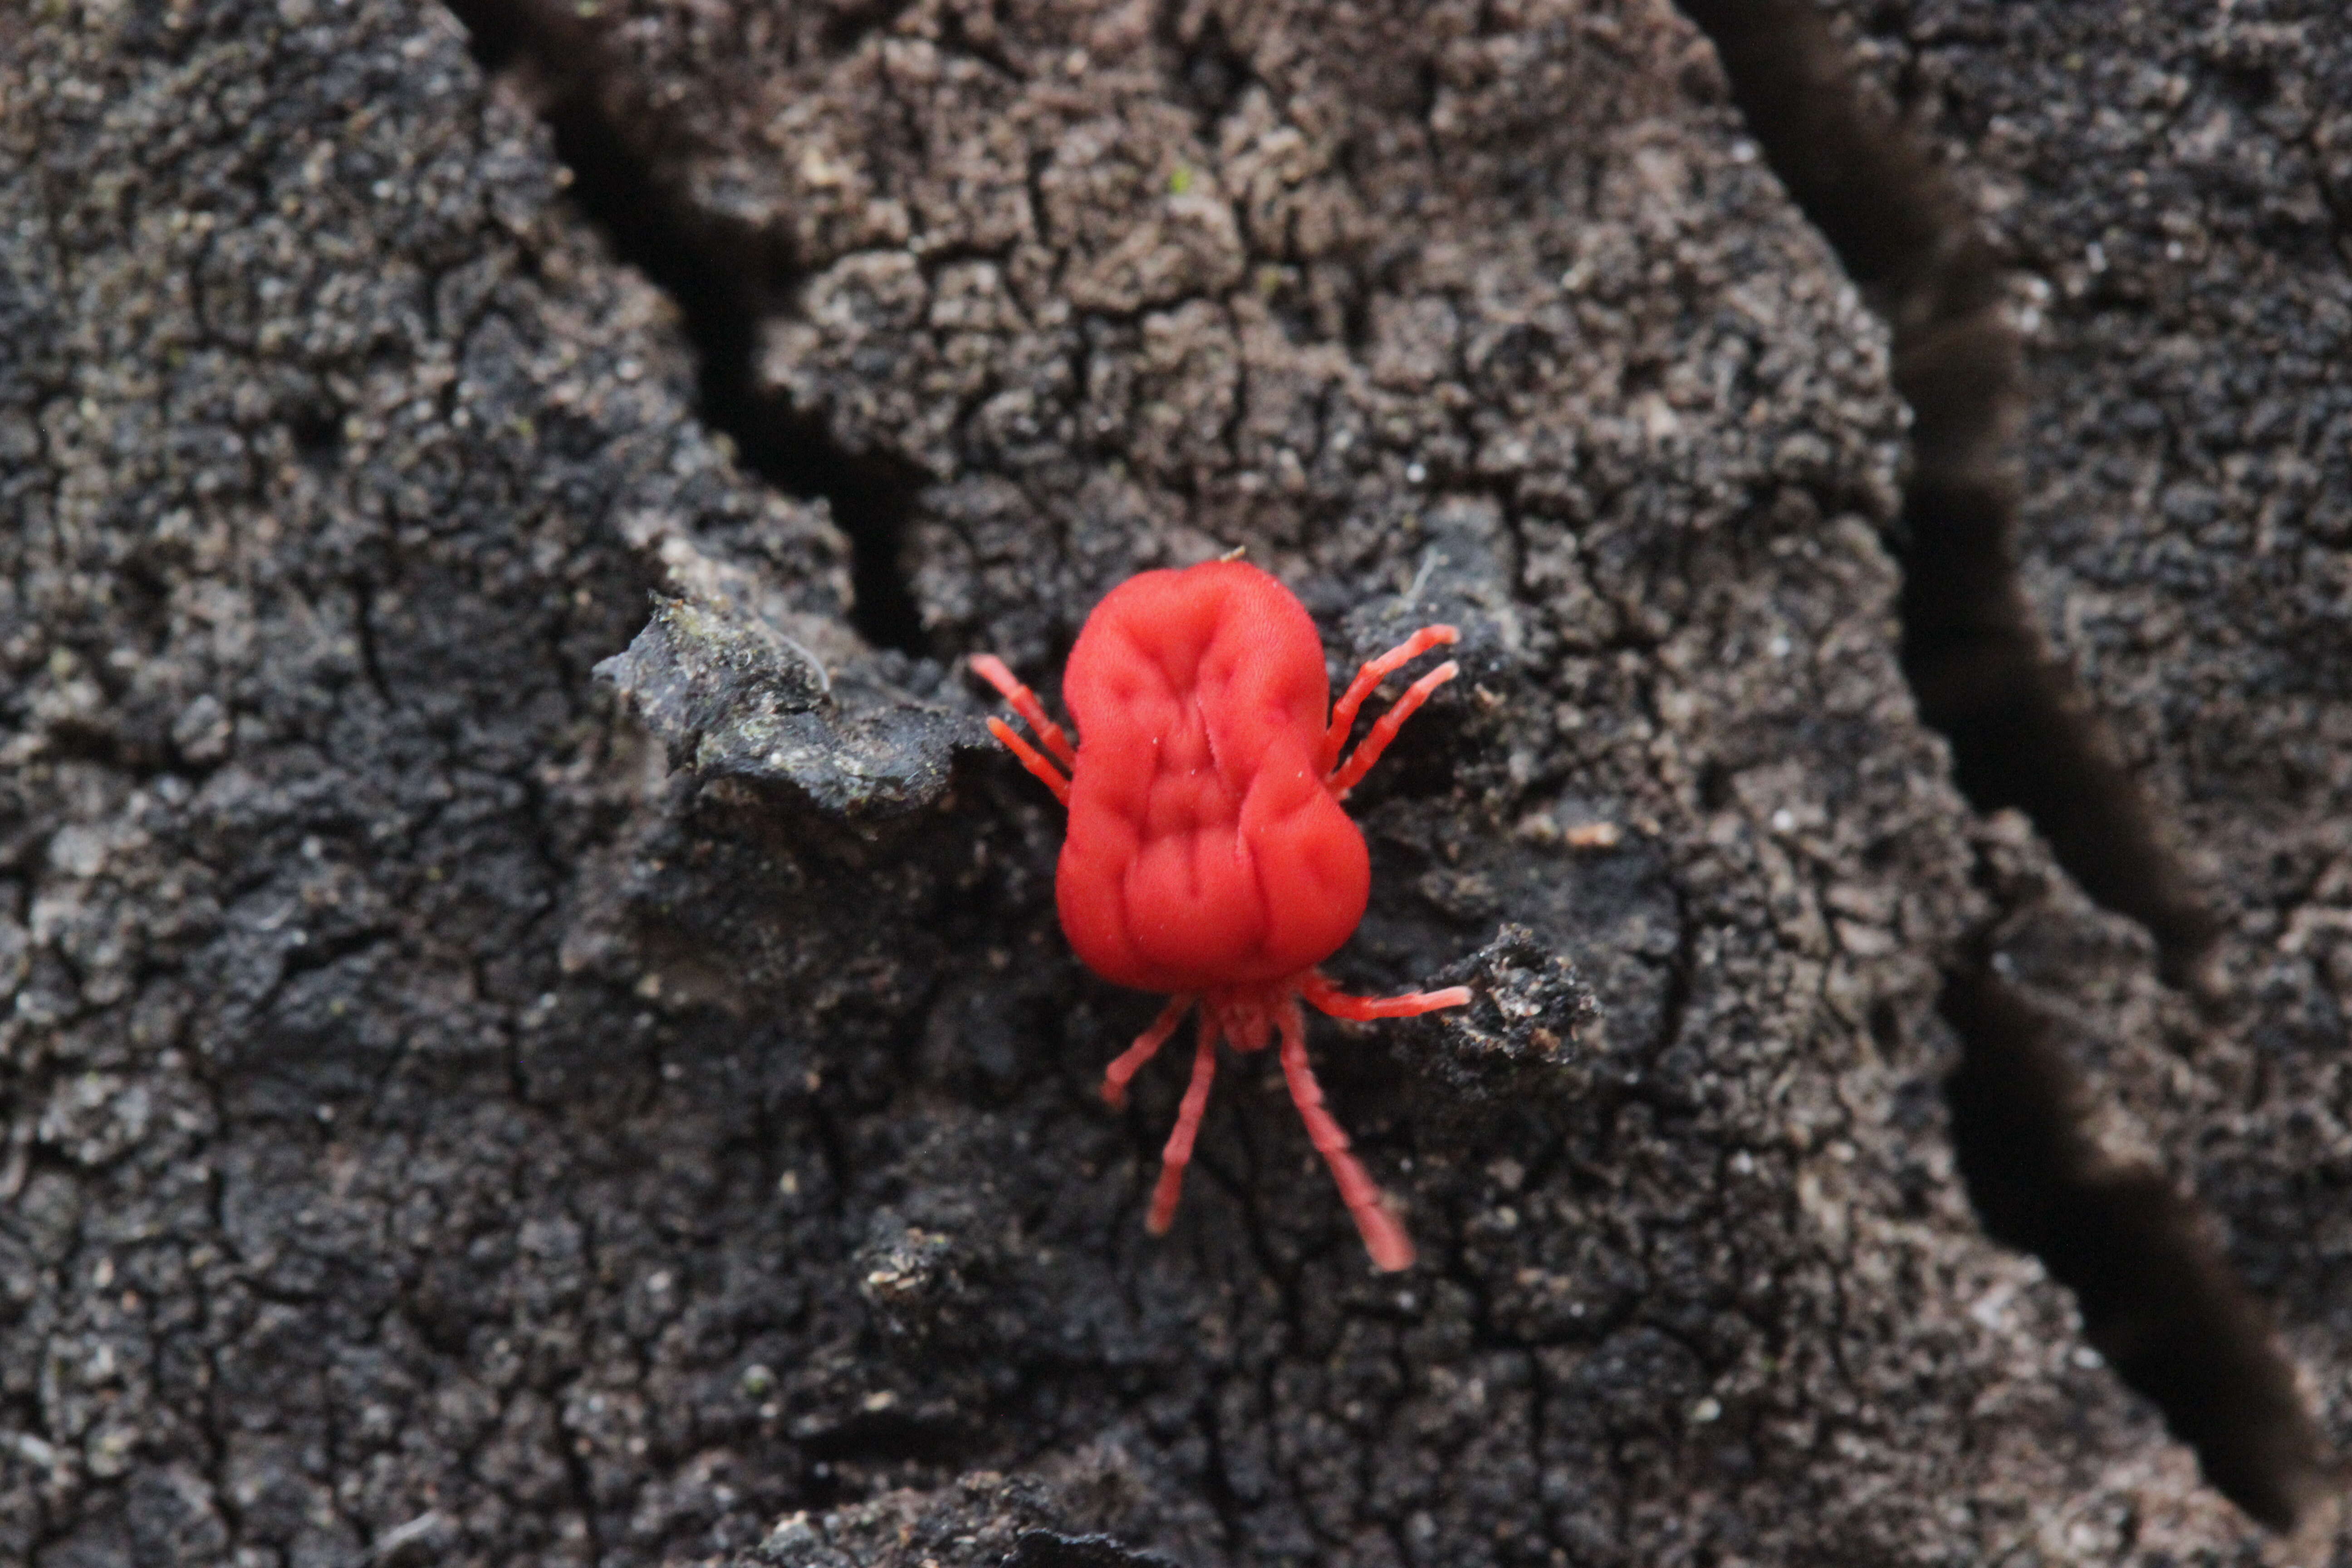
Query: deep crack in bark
[724,280]
[2157,1294]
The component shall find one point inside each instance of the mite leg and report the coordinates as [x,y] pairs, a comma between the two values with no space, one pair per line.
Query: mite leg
[1146,1045]
[1329,998]
[1346,778]
[991,668]
[1031,759]
[1343,712]
[1178,1153]
[1383,1235]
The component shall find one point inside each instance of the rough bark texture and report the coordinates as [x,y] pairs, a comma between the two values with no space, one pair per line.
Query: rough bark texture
[462,1109]
[2169,189]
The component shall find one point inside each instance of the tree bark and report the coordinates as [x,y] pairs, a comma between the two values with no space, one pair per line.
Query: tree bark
[539,1027]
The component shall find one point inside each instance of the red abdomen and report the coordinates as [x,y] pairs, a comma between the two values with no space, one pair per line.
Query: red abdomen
[1204,850]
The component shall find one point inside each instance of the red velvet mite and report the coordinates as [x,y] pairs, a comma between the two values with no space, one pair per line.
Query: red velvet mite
[1207,854]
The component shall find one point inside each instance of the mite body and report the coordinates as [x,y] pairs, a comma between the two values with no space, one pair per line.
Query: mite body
[1207,855]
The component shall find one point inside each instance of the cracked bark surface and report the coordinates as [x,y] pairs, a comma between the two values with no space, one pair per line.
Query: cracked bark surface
[454,1114]
[2168,191]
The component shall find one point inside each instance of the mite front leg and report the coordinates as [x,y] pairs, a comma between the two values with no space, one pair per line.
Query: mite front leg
[1383,1234]
[1146,1045]
[1178,1153]
[1329,998]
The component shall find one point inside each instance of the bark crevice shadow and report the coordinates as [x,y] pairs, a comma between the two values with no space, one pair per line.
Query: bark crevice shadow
[725,279]
[2158,1296]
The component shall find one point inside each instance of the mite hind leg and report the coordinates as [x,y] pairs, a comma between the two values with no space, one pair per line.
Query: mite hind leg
[992,670]
[1178,1153]
[1383,1233]
[1343,778]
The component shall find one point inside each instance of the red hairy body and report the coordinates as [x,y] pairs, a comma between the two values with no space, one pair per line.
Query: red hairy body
[1207,854]
[1205,850]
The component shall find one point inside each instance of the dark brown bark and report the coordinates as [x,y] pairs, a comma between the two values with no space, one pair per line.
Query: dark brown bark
[495,1078]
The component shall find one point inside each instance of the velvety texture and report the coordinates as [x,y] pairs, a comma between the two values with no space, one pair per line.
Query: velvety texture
[1205,850]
